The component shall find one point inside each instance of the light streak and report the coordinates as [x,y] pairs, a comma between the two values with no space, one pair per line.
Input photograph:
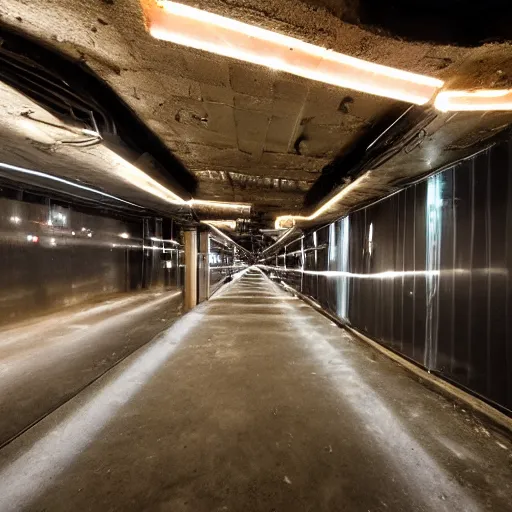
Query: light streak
[389,274]
[36,467]
[202,30]
[219,204]
[287,219]
[477,100]
[40,174]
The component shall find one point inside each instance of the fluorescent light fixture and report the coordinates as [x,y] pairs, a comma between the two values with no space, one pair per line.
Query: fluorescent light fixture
[477,100]
[143,181]
[202,30]
[219,204]
[282,221]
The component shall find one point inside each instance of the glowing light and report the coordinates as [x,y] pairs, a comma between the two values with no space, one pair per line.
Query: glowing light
[478,100]
[124,235]
[32,238]
[370,239]
[73,233]
[143,181]
[218,204]
[389,274]
[36,467]
[154,239]
[84,229]
[202,30]
[39,174]
[53,242]
[89,235]
[281,222]
[15,220]
[135,177]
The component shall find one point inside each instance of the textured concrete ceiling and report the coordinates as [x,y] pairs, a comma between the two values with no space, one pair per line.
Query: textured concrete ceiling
[247,133]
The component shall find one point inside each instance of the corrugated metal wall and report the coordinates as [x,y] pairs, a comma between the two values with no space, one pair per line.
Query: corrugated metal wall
[426,272]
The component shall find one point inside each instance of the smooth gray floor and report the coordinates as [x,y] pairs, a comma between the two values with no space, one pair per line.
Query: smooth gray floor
[46,361]
[255,402]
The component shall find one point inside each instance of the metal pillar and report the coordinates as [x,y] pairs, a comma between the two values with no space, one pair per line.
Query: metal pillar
[204,266]
[190,269]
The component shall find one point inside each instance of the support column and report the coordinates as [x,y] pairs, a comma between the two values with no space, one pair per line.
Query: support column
[190,269]
[204,266]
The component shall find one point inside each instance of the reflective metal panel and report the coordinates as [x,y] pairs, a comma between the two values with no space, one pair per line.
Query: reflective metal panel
[426,272]
[52,256]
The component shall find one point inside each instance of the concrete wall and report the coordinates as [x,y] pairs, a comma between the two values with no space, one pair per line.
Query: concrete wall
[426,272]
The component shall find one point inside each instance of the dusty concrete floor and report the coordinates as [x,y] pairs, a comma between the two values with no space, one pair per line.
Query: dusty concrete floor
[255,402]
[46,361]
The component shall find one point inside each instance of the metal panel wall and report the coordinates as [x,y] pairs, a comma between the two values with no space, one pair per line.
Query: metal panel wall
[53,256]
[426,272]
[224,262]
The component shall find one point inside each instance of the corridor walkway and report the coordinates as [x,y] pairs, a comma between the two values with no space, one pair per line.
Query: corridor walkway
[256,402]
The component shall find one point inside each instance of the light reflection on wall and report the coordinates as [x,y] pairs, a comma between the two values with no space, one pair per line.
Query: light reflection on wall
[426,272]
[57,256]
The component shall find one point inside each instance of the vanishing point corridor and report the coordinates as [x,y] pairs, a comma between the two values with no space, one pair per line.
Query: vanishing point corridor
[255,401]
[255,256]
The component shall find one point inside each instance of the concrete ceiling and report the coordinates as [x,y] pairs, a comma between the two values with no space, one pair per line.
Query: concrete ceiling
[247,133]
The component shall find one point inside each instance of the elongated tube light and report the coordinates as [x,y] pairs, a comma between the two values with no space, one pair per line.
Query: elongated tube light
[143,181]
[202,30]
[478,100]
[242,207]
[286,221]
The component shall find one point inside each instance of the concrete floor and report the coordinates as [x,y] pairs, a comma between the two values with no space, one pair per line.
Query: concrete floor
[45,361]
[255,402]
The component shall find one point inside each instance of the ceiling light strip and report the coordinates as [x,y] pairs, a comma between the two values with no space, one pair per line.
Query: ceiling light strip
[134,176]
[219,204]
[291,219]
[477,100]
[202,30]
